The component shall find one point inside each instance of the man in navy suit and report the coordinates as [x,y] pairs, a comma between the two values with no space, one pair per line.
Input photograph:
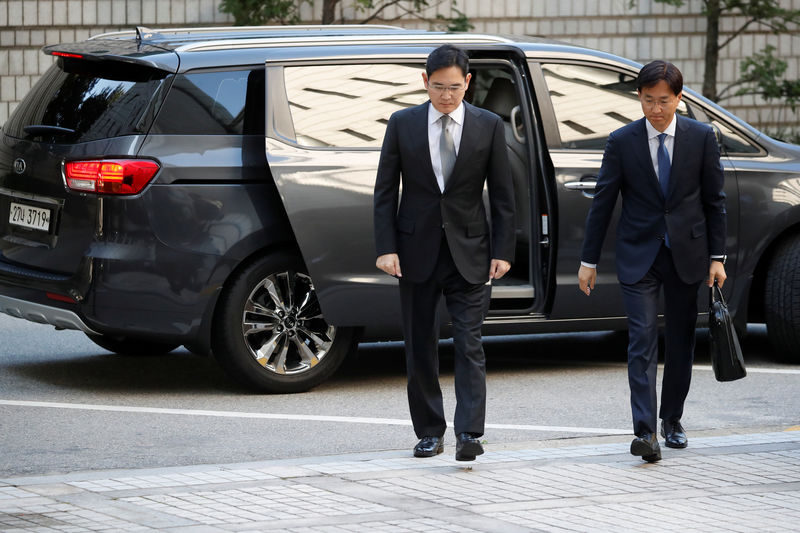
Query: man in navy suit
[437,240]
[671,234]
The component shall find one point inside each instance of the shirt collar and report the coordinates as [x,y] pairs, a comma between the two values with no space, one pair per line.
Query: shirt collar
[457,114]
[670,131]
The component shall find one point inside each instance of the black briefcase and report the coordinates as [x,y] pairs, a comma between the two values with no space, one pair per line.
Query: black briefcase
[726,353]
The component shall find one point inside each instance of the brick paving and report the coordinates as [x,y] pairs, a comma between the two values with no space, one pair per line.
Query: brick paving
[729,483]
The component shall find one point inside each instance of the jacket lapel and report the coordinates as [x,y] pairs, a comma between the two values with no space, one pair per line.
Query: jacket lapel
[679,147]
[642,150]
[419,138]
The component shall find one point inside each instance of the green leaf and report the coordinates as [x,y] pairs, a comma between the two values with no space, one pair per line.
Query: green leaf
[762,75]
[260,12]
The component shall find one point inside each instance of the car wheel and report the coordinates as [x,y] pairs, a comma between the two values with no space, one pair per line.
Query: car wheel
[132,346]
[782,300]
[269,331]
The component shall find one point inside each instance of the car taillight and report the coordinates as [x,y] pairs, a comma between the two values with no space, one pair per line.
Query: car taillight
[110,176]
[67,54]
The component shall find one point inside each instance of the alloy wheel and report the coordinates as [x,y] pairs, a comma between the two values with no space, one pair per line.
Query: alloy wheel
[283,326]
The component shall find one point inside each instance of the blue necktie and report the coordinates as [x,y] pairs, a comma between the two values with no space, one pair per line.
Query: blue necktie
[664,167]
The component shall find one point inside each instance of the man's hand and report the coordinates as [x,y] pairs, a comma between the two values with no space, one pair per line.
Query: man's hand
[498,268]
[586,278]
[389,263]
[716,271]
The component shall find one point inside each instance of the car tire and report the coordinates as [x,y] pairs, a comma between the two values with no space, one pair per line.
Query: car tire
[269,332]
[132,346]
[782,300]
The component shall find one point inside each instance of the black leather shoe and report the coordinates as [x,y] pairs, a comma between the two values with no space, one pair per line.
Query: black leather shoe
[674,434]
[467,447]
[647,447]
[429,447]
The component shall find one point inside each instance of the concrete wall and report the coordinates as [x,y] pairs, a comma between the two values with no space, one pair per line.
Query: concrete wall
[649,30]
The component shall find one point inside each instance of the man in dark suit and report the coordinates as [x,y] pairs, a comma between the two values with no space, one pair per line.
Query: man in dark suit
[671,234]
[436,240]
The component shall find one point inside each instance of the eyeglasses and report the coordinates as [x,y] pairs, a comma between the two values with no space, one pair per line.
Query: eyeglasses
[452,89]
[653,103]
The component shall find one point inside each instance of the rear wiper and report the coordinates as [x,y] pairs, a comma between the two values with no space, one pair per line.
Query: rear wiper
[43,129]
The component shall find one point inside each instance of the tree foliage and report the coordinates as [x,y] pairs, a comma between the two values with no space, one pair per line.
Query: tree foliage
[259,12]
[768,14]
[761,75]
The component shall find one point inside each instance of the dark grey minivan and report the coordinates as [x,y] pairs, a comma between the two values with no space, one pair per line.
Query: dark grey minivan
[212,188]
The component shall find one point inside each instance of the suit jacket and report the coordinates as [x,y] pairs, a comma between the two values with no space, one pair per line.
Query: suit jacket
[693,212]
[411,226]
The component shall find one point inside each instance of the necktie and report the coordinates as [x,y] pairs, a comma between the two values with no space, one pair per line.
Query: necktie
[447,149]
[664,167]
[664,164]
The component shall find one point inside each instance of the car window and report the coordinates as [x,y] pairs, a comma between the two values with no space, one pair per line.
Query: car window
[214,103]
[348,106]
[88,100]
[591,102]
[733,143]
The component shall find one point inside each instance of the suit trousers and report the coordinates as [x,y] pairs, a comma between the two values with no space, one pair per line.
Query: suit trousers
[467,304]
[680,316]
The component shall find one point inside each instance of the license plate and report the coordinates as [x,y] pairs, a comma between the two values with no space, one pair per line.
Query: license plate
[28,216]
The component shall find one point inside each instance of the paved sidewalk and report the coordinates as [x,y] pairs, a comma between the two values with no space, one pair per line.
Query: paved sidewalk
[741,483]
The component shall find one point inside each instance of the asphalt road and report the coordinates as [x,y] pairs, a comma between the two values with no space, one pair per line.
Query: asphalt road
[67,405]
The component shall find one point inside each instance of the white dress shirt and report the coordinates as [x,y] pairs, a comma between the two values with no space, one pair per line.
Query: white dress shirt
[652,139]
[456,126]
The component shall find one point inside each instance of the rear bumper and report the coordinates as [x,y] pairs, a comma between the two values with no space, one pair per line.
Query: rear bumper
[43,314]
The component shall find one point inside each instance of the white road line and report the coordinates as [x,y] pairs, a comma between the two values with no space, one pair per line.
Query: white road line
[751,370]
[279,416]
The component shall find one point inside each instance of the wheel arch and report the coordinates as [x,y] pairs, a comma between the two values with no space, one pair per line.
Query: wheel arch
[332,344]
[204,341]
[754,308]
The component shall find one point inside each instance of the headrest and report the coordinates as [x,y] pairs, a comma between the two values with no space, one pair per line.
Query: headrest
[501,98]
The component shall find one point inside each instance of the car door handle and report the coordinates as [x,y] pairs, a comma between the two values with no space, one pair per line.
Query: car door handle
[580,185]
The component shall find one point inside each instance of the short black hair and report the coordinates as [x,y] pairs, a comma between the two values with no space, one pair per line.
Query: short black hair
[445,56]
[659,70]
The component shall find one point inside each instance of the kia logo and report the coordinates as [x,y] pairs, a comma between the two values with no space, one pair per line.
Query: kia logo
[19,165]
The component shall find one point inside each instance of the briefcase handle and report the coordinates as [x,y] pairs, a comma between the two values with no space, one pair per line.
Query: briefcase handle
[715,294]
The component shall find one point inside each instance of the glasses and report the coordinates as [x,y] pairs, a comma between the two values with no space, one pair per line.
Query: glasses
[439,89]
[650,104]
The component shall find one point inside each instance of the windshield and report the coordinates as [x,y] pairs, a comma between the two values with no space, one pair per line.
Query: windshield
[78,101]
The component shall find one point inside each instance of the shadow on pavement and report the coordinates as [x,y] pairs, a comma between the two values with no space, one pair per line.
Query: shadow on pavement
[543,351]
[178,371]
[181,371]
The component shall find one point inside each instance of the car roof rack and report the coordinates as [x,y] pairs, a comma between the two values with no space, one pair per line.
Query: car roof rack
[147,33]
[227,37]
[341,40]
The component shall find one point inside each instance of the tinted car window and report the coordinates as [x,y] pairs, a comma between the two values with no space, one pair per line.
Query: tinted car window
[214,103]
[591,102]
[85,100]
[733,143]
[349,105]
